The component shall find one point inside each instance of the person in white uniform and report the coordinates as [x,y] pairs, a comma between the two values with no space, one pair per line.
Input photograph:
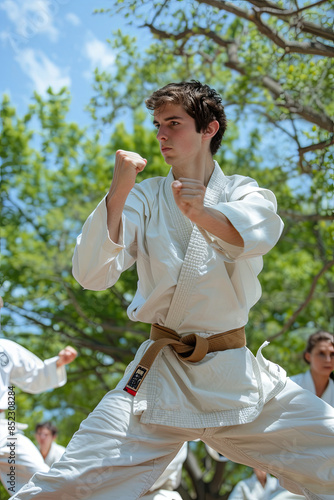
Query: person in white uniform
[19,457]
[46,435]
[197,238]
[319,355]
[260,486]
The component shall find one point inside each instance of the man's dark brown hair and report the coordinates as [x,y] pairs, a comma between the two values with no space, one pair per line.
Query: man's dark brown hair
[200,101]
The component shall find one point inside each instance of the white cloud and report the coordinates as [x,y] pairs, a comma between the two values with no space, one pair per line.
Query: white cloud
[72,19]
[32,17]
[99,53]
[42,71]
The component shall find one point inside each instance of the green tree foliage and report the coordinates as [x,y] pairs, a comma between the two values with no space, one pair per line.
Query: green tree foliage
[273,56]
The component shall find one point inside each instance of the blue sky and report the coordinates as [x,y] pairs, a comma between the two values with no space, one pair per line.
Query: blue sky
[57,43]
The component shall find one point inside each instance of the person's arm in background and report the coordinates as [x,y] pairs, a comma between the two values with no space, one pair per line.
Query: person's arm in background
[33,375]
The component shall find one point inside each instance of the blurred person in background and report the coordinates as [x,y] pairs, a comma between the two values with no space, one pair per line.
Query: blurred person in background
[45,435]
[319,355]
[19,457]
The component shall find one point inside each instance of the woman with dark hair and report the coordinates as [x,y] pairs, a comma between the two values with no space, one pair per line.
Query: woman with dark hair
[319,354]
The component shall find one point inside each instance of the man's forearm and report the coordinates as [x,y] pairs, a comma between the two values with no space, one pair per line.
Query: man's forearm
[115,204]
[219,225]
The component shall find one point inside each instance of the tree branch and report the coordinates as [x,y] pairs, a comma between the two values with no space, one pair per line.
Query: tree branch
[263,6]
[309,114]
[195,474]
[104,384]
[188,33]
[304,26]
[29,220]
[309,218]
[312,48]
[117,353]
[302,306]
[276,124]
[314,147]
[217,480]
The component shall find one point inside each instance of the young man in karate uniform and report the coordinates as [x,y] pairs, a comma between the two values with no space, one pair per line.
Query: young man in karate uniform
[197,237]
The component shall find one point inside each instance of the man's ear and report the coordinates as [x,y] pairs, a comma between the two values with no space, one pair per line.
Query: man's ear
[211,129]
[307,356]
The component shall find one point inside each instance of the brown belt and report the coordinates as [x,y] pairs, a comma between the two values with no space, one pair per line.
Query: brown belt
[191,348]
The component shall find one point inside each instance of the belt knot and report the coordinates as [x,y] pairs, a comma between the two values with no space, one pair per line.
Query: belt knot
[191,347]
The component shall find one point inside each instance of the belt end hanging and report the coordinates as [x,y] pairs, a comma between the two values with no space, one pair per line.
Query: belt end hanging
[136,380]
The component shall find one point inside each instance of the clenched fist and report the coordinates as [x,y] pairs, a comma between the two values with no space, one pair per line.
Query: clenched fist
[189,197]
[66,356]
[127,166]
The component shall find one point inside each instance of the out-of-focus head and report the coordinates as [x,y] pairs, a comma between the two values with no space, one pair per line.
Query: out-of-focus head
[45,433]
[319,354]
[313,341]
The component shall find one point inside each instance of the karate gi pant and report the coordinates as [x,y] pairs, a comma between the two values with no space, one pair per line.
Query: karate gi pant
[19,460]
[114,456]
[163,495]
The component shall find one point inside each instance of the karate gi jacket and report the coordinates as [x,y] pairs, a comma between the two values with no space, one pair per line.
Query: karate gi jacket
[305,381]
[55,452]
[190,281]
[252,489]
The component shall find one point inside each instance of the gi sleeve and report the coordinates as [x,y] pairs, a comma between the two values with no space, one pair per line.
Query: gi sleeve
[252,211]
[98,261]
[30,373]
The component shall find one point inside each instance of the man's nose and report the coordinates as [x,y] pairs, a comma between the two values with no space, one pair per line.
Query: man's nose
[162,135]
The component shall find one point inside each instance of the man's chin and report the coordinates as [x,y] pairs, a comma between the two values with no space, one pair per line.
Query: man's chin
[167,160]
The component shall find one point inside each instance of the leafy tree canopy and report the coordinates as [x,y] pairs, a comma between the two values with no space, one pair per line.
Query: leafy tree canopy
[273,58]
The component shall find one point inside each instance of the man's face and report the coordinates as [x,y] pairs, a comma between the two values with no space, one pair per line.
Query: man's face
[179,141]
[44,437]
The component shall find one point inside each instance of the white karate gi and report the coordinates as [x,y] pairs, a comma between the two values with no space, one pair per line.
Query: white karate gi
[286,495]
[163,495]
[190,281]
[252,489]
[19,457]
[305,381]
[163,488]
[55,452]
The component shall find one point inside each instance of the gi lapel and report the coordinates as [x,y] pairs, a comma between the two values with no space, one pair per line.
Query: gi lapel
[196,251]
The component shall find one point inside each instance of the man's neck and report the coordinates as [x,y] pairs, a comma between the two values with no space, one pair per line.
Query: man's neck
[199,170]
